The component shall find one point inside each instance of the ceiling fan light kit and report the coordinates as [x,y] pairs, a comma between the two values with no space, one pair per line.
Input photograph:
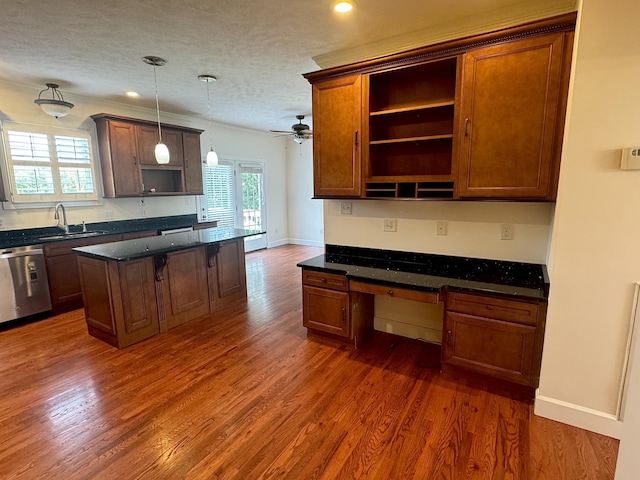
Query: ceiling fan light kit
[54,106]
[299,131]
[161,150]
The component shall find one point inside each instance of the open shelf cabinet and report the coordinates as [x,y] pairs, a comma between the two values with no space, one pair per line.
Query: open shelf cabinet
[410,131]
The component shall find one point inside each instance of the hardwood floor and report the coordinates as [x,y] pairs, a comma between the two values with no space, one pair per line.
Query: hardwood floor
[245,394]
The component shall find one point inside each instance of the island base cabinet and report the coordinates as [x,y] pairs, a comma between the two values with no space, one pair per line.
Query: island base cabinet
[120,300]
[226,273]
[183,288]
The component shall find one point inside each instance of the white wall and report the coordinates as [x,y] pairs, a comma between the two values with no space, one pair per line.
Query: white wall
[17,105]
[594,249]
[473,228]
[305,214]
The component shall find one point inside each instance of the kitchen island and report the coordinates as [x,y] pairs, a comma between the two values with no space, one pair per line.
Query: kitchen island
[135,289]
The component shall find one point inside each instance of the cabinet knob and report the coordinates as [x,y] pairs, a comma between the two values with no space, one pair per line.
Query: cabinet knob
[134,160]
[466,127]
[489,307]
[323,280]
[449,335]
[390,293]
[355,138]
[344,314]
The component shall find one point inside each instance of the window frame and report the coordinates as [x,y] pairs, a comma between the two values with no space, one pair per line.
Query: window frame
[54,163]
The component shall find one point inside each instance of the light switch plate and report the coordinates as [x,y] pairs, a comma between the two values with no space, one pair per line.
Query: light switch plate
[441,228]
[345,208]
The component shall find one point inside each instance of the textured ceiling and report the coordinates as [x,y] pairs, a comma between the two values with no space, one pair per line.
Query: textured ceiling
[257,49]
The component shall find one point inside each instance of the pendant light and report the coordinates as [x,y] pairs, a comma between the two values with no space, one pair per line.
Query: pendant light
[161,151]
[54,106]
[212,156]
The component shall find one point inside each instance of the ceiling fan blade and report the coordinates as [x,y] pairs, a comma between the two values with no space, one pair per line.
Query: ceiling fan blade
[281,131]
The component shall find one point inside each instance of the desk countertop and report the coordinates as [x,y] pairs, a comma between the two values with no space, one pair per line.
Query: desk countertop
[427,272]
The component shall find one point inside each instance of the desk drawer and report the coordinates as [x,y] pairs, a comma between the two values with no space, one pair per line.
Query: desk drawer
[325,280]
[405,293]
[501,309]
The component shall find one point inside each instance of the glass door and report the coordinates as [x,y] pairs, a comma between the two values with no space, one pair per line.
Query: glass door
[253,211]
[229,186]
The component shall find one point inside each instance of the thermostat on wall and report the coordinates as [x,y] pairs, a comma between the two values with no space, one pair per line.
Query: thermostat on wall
[630,159]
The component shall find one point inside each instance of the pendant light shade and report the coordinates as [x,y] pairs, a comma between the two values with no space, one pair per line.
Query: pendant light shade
[161,150]
[212,156]
[162,154]
[54,106]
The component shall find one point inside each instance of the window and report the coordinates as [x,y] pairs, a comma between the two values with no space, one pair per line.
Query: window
[48,164]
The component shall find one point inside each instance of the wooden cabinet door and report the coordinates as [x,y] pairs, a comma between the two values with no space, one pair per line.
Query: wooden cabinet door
[326,310]
[138,302]
[337,163]
[231,270]
[192,163]
[509,124]
[500,349]
[64,282]
[173,140]
[122,174]
[185,289]
[147,137]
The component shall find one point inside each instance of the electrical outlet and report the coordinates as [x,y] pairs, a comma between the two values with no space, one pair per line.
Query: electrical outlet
[441,228]
[390,225]
[506,231]
[345,208]
[186,201]
[108,215]
[144,212]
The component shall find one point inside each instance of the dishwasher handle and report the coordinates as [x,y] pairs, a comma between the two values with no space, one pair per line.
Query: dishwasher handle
[9,253]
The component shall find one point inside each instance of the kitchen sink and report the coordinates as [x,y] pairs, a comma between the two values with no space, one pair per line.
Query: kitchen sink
[72,235]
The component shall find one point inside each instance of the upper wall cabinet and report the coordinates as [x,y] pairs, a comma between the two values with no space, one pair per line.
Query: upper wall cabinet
[511,104]
[336,146]
[476,118]
[128,161]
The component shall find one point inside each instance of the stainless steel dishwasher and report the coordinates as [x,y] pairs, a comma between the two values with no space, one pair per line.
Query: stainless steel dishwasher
[24,289]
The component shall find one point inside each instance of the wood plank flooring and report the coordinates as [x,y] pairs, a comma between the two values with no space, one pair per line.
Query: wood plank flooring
[244,394]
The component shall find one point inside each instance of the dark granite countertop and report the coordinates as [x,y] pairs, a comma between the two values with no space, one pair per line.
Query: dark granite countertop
[42,235]
[149,246]
[428,272]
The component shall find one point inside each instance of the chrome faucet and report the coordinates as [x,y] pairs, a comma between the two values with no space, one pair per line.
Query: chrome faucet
[56,216]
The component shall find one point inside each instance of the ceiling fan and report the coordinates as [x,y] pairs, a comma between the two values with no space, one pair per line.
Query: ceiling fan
[299,131]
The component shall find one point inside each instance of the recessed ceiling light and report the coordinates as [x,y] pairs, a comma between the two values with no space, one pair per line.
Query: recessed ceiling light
[343,6]
[131,93]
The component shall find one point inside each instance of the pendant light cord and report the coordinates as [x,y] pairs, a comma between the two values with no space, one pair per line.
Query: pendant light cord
[155,81]
[209,108]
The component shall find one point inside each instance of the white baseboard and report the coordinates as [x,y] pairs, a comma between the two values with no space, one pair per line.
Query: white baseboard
[578,416]
[308,243]
[278,243]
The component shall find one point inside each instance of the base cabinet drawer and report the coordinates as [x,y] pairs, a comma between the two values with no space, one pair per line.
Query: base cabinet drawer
[326,310]
[493,347]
